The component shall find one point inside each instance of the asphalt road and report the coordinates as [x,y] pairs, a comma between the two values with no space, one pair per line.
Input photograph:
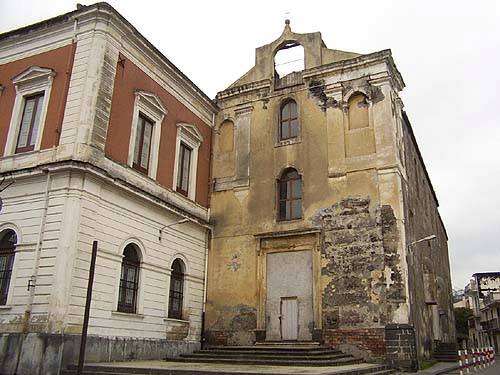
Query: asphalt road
[491,370]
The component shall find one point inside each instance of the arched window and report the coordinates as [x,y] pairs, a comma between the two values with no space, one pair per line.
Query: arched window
[176,294]
[8,241]
[289,120]
[290,195]
[358,111]
[129,280]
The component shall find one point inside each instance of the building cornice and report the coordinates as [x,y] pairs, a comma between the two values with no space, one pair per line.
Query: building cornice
[331,69]
[64,29]
[122,177]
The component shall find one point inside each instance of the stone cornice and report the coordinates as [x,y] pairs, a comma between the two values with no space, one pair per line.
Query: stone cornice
[353,64]
[69,27]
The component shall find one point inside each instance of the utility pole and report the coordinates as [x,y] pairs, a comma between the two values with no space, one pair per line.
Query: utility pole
[83,342]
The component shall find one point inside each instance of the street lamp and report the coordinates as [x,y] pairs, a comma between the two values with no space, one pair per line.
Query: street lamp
[181,221]
[428,238]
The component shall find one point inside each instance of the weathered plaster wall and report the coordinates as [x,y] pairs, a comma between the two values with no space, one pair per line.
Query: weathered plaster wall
[429,267]
[360,282]
[81,207]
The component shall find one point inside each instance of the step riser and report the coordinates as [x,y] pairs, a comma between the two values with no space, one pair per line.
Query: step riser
[118,371]
[266,352]
[268,356]
[273,363]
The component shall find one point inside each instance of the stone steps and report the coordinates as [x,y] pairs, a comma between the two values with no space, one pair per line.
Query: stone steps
[119,370]
[446,352]
[278,354]
[347,360]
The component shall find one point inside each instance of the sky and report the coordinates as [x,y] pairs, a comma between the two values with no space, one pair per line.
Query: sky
[448,53]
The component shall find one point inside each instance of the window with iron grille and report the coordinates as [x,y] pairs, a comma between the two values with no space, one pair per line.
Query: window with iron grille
[289,120]
[30,123]
[290,195]
[176,294]
[183,169]
[129,280]
[142,147]
[8,240]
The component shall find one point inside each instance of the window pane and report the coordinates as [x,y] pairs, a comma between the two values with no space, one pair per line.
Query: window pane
[137,144]
[293,109]
[36,121]
[285,112]
[146,144]
[130,277]
[285,130]
[283,189]
[296,188]
[294,128]
[296,209]
[29,106]
[282,210]
[288,210]
[129,297]
[185,164]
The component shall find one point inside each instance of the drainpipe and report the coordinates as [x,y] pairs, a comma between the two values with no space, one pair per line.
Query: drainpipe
[38,248]
[208,238]
[34,272]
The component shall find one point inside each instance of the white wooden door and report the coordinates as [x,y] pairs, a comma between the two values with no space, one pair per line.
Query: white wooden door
[289,318]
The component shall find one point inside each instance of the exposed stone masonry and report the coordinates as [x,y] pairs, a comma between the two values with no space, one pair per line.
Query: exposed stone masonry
[363,282]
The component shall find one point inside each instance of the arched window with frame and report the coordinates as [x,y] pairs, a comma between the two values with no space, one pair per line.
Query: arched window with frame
[8,241]
[289,195]
[129,279]
[176,294]
[288,120]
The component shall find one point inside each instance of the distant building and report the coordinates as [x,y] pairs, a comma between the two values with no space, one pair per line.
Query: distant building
[483,298]
[103,139]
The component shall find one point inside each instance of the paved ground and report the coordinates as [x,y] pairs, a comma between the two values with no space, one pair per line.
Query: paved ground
[248,369]
[445,368]
[491,370]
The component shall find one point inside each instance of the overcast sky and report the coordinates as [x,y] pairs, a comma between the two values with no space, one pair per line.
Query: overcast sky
[447,51]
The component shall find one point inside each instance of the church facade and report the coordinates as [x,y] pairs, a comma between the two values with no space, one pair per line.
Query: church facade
[325,221]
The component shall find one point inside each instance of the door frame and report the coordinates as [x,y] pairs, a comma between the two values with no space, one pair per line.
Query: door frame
[278,242]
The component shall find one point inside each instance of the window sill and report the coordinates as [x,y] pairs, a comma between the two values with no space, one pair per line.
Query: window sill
[128,315]
[176,320]
[5,307]
[287,142]
[289,221]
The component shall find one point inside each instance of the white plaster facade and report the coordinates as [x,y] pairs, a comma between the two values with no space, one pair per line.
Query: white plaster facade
[65,197]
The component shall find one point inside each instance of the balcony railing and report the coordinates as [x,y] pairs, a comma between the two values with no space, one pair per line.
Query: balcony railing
[489,325]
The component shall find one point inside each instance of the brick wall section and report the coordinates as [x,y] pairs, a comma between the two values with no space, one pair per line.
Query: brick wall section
[370,340]
[177,330]
[216,338]
[400,344]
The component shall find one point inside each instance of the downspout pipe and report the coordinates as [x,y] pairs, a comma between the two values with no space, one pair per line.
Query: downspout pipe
[208,240]
[34,271]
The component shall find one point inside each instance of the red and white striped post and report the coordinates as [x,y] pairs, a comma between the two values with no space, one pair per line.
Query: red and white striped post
[461,362]
[474,359]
